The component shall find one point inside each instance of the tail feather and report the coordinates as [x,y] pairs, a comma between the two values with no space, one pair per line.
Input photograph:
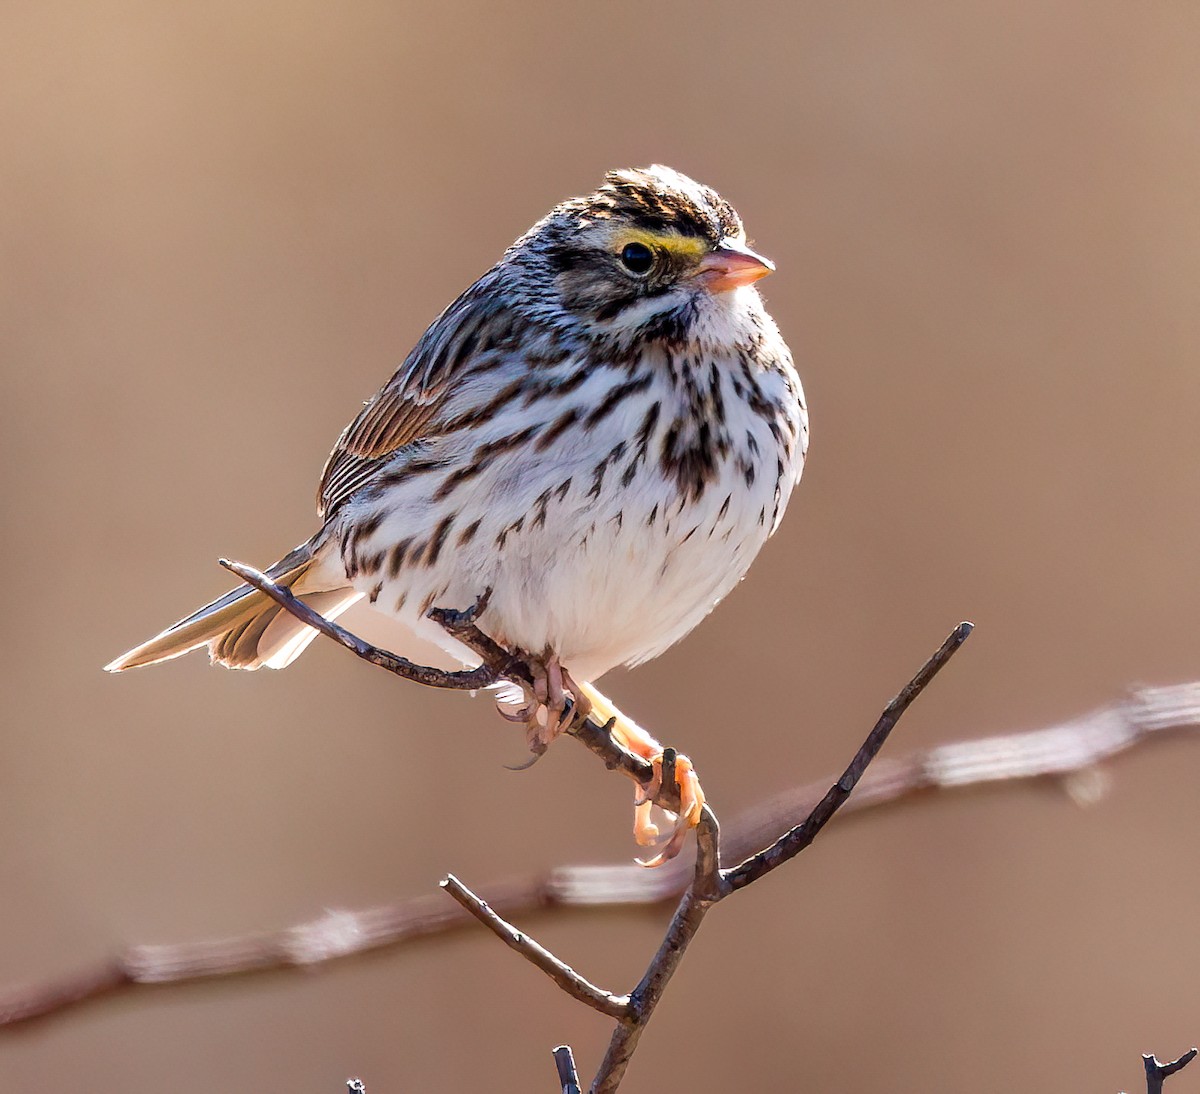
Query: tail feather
[285,637]
[246,629]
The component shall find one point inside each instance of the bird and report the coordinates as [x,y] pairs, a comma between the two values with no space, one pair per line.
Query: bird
[592,443]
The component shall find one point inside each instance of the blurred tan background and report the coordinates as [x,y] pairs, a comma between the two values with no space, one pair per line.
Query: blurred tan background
[223,224]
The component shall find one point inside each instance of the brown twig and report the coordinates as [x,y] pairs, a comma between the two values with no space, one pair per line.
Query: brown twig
[706,889]
[615,1006]
[471,680]
[793,842]
[497,664]
[1065,755]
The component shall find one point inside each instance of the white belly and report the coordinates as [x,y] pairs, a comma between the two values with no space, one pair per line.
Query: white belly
[602,574]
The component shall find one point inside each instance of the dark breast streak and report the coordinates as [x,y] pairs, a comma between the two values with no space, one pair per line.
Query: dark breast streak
[698,442]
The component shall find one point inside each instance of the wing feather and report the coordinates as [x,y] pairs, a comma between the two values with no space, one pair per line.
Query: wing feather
[412,405]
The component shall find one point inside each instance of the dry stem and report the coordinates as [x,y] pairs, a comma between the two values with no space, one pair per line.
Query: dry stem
[568,1077]
[615,1006]
[497,664]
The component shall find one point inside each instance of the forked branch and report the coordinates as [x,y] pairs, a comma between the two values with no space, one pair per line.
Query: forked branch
[1157,1073]
[615,1006]
[710,884]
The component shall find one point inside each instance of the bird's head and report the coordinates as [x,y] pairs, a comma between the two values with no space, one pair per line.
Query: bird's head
[649,245]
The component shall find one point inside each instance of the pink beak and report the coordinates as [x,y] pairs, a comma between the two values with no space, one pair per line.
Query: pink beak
[732,265]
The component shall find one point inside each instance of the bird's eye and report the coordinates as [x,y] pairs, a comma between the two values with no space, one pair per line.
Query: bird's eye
[637,258]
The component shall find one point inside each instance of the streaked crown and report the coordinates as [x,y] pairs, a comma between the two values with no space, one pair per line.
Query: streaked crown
[658,199]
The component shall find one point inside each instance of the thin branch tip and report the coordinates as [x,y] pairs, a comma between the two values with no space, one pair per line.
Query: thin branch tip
[792,842]
[576,986]
[1153,1066]
[466,680]
[568,1076]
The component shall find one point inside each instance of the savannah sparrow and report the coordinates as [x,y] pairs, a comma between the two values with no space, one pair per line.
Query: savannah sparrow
[599,434]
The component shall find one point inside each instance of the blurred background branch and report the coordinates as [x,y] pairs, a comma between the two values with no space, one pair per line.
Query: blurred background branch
[1068,755]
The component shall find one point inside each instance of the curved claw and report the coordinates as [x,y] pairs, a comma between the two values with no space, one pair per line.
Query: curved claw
[669,850]
[565,704]
[521,716]
[527,764]
[459,618]
[691,803]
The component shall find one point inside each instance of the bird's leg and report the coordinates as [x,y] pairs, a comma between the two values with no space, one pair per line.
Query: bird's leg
[630,735]
[527,710]
[555,702]
[537,711]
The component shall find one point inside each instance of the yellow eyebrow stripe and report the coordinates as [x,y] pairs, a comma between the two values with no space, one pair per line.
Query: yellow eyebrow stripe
[674,242]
